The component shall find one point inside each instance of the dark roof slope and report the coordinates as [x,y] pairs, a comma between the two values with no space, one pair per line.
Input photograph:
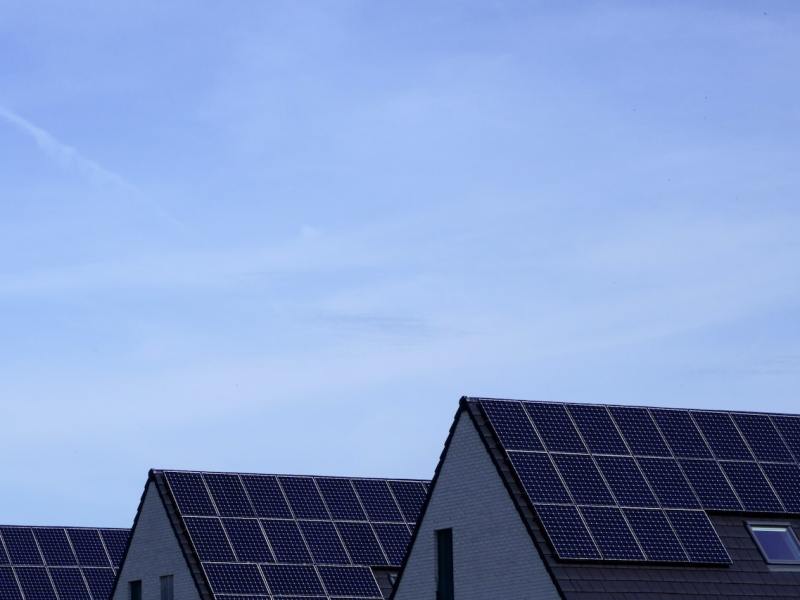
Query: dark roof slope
[766,447]
[276,536]
[46,563]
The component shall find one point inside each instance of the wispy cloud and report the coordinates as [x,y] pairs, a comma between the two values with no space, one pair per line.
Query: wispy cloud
[70,159]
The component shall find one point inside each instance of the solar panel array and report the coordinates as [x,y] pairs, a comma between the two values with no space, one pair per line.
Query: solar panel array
[621,483]
[59,563]
[280,537]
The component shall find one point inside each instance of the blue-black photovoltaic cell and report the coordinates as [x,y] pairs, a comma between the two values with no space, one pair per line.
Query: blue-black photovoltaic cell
[583,479]
[567,532]
[751,486]
[3,556]
[722,435]
[639,431]
[698,536]
[21,546]
[361,543]
[266,496]
[762,437]
[69,584]
[355,582]
[324,543]
[100,581]
[304,498]
[377,500]
[9,590]
[668,483]
[598,430]
[785,480]
[228,494]
[292,580]
[394,537]
[209,539]
[611,533]
[681,434]
[286,541]
[511,424]
[35,583]
[236,578]
[626,481]
[116,541]
[341,499]
[55,547]
[789,428]
[539,477]
[410,496]
[247,540]
[88,548]
[190,493]
[710,485]
[556,428]
[655,535]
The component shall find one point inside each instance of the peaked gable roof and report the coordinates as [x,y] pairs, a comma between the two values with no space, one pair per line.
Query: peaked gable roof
[274,536]
[625,502]
[50,563]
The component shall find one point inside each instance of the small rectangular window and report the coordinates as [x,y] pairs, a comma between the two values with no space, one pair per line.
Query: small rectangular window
[444,564]
[777,543]
[135,589]
[167,586]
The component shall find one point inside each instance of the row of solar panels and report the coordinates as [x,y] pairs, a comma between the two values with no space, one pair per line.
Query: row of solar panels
[288,536]
[625,483]
[50,563]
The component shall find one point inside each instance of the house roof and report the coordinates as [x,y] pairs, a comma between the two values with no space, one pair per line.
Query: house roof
[46,563]
[643,502]
[275,536]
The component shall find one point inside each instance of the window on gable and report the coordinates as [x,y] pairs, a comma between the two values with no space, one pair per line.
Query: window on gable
[777,543]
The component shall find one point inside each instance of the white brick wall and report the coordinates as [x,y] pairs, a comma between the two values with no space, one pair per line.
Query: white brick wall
[154,551]
[493,555]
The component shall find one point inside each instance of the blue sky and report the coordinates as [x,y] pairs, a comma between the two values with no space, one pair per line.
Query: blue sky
[287,236]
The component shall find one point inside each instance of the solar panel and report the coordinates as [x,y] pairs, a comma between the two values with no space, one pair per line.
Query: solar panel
[35,583]
[247,539]
[583,479]
[266,496]
[9,590]
[655,535]
[324,543]
[377,500]
[539,477]
[555,427]
[306,525]
[567,532]
[789,428]
[304,499]
[597,429]
[55,546]
[639,431]
[698,537]
[611,533]
[722,435]
[682,436]
[357,582]
[785,480]
[286,541]
[511,425]
[668,483]
[88,547]
[293,580]
[710,485]
[229,495]
[751,486]
[762,437]
[21,546]
[3,556]
[116,541]
[69,584]
[100,581]
[394,538]
[626,481]
[190,493]
[341,499]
